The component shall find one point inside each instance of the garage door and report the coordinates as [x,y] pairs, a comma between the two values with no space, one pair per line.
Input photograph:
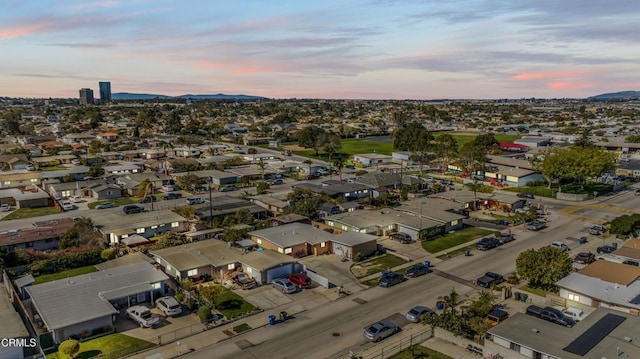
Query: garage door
[279,272]
[341,250]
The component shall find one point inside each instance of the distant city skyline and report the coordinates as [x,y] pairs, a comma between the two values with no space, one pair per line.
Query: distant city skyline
[105,91]
[365,49]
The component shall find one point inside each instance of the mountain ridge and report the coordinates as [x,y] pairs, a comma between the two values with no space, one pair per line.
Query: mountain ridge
[146,96]
[616,95]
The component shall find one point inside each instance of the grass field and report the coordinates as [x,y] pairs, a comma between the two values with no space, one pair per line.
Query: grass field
[30,212]
[64,274]
[420,352]
[376,265]
[110,346]
[454,239]
[232,305]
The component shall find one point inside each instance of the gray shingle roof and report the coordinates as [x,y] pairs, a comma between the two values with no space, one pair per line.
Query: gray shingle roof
[291,234]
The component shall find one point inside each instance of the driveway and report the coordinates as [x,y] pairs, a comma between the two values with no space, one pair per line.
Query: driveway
[411,250]
[266,297]
[338,272]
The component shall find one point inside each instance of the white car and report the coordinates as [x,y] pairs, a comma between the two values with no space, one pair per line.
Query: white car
[5,208]
[76,199]
[195,200]
[169,306]
[143,316]
[168,188]
[67,206]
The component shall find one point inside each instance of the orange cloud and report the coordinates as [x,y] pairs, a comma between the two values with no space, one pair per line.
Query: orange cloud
[544,75]
[565,85]
[17,32]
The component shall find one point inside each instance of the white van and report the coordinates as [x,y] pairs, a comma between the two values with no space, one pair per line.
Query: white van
[560,245]
[195,200]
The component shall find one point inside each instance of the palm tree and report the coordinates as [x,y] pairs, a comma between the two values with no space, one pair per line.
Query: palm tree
[308,163]
[339,163]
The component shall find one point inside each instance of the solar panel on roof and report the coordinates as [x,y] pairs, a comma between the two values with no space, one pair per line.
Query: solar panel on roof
[592,336]
[635,300]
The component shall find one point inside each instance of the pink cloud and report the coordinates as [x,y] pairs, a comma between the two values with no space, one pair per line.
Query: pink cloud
[545,75]
[10,33]
[565,85]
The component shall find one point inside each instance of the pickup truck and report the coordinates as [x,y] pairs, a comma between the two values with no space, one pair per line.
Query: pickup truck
[143,316]
[551,314]
[243,280]
[490,279]
[496,316]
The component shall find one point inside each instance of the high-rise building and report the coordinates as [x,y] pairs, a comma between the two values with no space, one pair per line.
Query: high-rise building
[105,91]
[86,96]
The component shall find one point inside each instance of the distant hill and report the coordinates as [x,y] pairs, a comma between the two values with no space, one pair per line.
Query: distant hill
[146,96]
[616,95]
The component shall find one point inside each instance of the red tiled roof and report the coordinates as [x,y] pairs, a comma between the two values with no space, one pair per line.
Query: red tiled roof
[511,145]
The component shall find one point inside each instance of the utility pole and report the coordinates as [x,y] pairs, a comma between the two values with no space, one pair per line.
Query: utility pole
[210,205]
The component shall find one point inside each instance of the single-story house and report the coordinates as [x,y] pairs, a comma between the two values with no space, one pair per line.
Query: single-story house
[13,162]
[123,168]
[68,189]
[79,305]
[339,189]
[105,191]
[294,239]
[272,202]
[117,226]
[382,181]
[226,205]
[12,328]
[630,167]
[217,178]
[20,178]
[25,199]
[402,157]
[78,173]
[372,159]
[351,244]
[376,222]
[41,236]
[533,141]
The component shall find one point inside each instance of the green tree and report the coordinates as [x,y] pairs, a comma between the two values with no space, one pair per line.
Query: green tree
[188,212]
[625,224]
[308,137]
[262,187]
[204,312]
[446,149]
[188,182]
[208,294]
[485,140]
[96,170]
[632,139]
[543,267]
[169,239]
[108,254]
[232,234]
[244,216]
[69,347]
[68,178]
[95,147]
[584,140]
[405,138]
[305,202]
[331,144]
[173,124]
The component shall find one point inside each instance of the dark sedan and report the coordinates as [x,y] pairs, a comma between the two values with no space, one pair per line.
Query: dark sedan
[487,243]
[417,270]
[585,258]
[606,249]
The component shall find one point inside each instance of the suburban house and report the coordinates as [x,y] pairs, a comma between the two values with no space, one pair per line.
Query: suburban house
[339,189]
[105,191]
[215,177]
[289,218]
[41,236]
[352,245]
[130,182]
[629,167]
[372,159]
[294,239]
[20,178]
[383,181]
[603,333]
[272,202]
[116,226]
[215,258]
[13,162]
[402,157]
[328,209]
[82,304]
[78,173]
[533,141]
[186,152]
[227,205]
[122,168]
[25,199]
[376,222]
[440,211]
[108,137]
[603,284]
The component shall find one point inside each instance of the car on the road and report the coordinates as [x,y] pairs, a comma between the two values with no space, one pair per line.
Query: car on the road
[147,199]
[169,306]
[390,279]
[143,316]
[487,243]
[560,246]
[132,209]
[276,182]
[606,249]
[526,195]
[228,188]
[417,270]
[584,258]
[300,279]
[380,330]
[594,231]
[489,279]
[170,196]
[284,285]
[105,205]
[505,238]
[637,192]
[194,200]
[536,225]
[417,313]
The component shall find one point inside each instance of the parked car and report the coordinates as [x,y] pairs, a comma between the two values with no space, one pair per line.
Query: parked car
[228,188]
[390,279]
[105,205]
[489,279]
[380,330]
[606,249]
[300,279]
[75,161]
[194,200]
[276,182]
[551,314]
[147,199]
[30,167]
[67,206]
[168,188]
[417,270]
[132,209]
[170,196]
[75,199]
[496,316]
[487,243]
[536,225]
[284,285]
[574,313]
[244,280]
[585,258]
[526,195]
[5,208]
[143,316]
[417,313]
[169,306]
[505,238]
[560,245]
[401,237]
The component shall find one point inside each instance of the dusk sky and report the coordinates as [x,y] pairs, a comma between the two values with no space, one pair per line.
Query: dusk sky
[368,49]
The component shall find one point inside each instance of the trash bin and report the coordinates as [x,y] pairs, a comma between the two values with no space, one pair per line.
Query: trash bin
[439,305]
[517,296]
[427,264]
[272,320]
[283,316]
[524,296]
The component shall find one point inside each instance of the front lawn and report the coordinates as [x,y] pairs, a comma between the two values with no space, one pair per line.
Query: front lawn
[110,346]
[537,291]
[454,239]
[232,305]
[64,274]
[30,212]
[573,188]
[376,265]
[420,352]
